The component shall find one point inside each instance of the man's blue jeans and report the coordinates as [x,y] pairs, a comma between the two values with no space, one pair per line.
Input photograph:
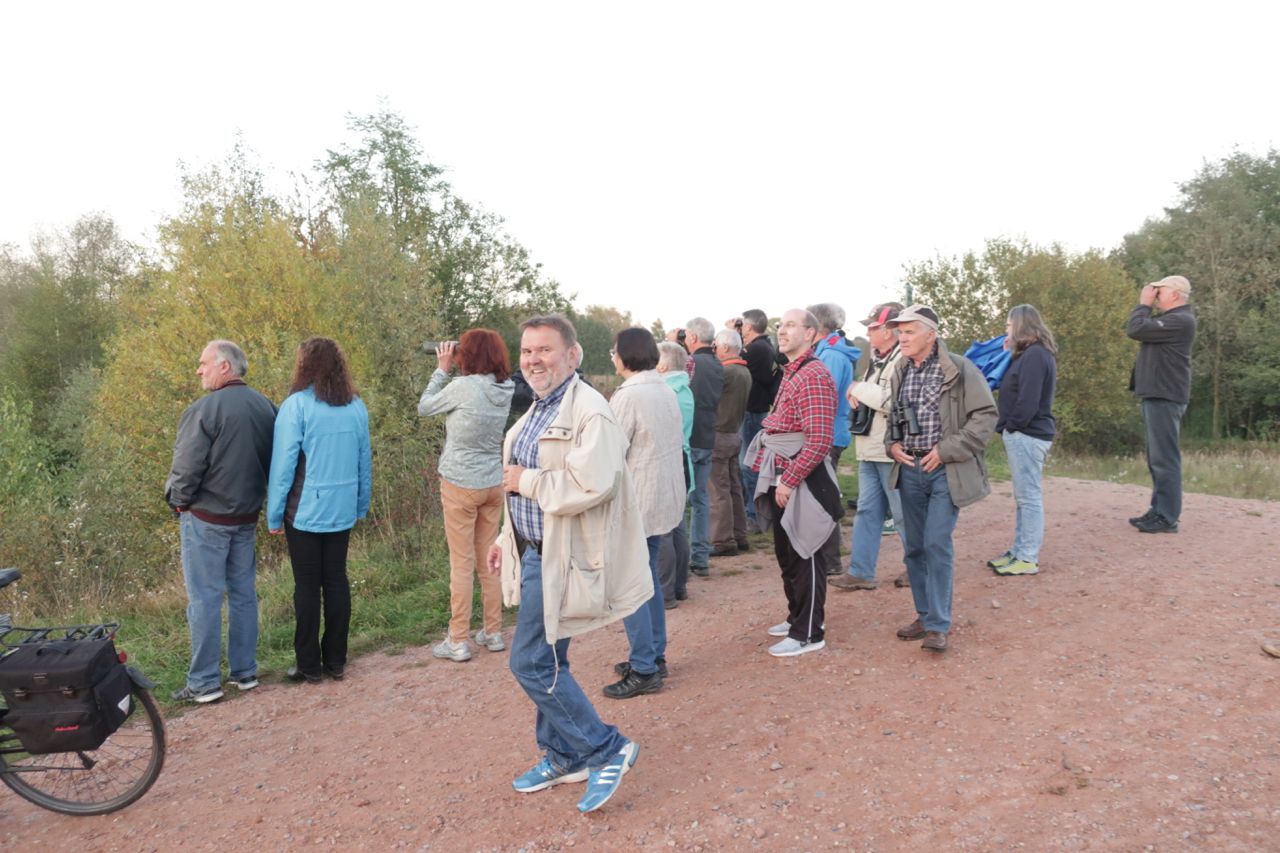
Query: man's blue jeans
[700,501]
[568,728]
[1026,466]
[1163,419]
[647,627]
[219,559]
[875,501]
[752,423]
[928,518]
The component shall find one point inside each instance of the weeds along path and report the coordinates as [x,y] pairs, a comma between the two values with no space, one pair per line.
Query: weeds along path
[1118,699]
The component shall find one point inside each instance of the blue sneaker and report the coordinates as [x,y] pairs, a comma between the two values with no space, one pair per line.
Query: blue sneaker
[604,782]
[544,774]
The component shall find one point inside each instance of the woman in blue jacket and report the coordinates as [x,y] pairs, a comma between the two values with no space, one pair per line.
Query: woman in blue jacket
[319,485]
[1027,426]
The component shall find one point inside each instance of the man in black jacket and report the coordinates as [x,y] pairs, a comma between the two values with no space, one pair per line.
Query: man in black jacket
[707,384]
[217,485]
[766,376]
[1162,380]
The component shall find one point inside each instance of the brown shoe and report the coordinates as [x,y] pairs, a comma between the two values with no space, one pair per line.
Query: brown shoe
[914,631]
[902,580]
[934,641]
[848,581]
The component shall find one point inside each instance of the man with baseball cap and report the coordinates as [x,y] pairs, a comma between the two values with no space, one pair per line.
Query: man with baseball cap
[942,417]
[1161,378]
[871,403]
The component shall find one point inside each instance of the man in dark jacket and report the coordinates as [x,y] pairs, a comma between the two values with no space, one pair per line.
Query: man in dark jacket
[707,384]
[728,515]
[766,375]
[1162,380]
[217,485]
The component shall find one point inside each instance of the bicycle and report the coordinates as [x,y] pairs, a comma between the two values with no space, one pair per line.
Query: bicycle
[92,782]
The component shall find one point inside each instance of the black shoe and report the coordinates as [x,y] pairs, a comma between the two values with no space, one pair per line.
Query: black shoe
[625,667]
[670,604]
[634,684]
[744,546]
[682,595]
[700,571]
[295,674]
[1158,524]
[725,552]
[337,673]
[1141,519]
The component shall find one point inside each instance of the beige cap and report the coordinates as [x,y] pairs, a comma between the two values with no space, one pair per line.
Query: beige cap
[922,314]
[1174,282]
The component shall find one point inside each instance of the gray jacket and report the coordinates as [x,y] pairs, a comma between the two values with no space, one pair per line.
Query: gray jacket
[807,524]
[1163,368]
[222,456]
[477,407]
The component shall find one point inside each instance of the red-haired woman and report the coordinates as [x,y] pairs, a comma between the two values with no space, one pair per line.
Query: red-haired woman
[477,403]
[320,484]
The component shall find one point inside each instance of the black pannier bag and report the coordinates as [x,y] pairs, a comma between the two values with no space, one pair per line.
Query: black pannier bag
[64,695]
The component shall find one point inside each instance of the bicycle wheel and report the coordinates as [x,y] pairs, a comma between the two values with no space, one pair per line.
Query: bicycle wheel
[91,783]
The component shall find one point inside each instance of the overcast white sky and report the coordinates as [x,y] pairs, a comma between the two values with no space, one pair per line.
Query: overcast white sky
[673,159]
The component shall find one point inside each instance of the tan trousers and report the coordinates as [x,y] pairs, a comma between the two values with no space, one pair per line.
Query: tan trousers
[471,518]
[728,512]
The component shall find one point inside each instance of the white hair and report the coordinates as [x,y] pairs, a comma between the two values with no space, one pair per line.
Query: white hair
[701,327]
[729,338]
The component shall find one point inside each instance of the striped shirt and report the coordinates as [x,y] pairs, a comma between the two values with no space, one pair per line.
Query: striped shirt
[921,388]
[526,515]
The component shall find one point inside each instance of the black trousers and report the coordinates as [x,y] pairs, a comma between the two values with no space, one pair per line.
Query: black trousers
[805,584]
[829,555]
[320,581]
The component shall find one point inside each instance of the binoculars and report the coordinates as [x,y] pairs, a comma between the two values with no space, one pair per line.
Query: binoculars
[903,414]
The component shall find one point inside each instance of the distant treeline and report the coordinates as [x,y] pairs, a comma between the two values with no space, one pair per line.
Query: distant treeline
[99,338]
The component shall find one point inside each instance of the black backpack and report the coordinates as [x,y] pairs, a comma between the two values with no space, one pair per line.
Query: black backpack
[64,695]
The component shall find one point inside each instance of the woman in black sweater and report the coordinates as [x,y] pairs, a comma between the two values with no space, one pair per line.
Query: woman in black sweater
[1026,424]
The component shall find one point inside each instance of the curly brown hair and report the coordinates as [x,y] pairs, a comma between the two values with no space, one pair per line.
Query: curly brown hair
[321,364]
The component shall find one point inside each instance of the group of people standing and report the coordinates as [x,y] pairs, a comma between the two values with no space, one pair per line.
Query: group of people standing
[588,511]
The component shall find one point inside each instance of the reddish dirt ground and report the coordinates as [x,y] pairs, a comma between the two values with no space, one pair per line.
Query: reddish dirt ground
[1118,701]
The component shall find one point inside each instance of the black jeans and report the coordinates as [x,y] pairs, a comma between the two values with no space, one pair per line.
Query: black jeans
[829,554]
[1163,419]
[805,585]
[320,571]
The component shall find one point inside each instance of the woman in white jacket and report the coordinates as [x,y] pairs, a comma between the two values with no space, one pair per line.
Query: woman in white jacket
[649,415]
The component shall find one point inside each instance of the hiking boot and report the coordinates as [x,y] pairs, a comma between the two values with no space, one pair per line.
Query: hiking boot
[1138,521]
[727,551]
[633,684]
[449,650]
[902,580]
[625,667]
[934,641]
[780,630]
[603,783]
[914,631]
[492,642]
[1019,567]
[1000,562]
[791,647]
[848,581]
[544,774]
[200,697]
[1158,524]
[295,674]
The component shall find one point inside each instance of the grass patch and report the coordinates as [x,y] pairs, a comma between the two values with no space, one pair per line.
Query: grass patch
[1232,469]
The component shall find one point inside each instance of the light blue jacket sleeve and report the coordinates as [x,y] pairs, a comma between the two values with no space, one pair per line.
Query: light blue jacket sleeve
[366,466]
[284,459]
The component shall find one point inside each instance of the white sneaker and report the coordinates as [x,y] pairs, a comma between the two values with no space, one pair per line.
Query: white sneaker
[790,647]
[780,630]
[450,650]
[492,642]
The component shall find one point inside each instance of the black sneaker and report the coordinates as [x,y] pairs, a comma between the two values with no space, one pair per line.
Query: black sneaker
[731,551]
[1158,524]
[625,667]
[200,697]
[1138,521]
[337,673]
[295,674]
[634,684]
[246,683]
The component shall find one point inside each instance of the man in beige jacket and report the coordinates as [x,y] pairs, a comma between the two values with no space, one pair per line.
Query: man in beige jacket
[572,555]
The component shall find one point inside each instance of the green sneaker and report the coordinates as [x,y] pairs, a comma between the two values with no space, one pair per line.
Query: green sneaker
[1000,562]
[1019,567]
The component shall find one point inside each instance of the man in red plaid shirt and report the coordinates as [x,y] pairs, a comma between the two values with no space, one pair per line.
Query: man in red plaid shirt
[793,459]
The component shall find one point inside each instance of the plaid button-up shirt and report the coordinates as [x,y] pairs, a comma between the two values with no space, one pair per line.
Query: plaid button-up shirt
[526,515]
[921,387]
[806,403]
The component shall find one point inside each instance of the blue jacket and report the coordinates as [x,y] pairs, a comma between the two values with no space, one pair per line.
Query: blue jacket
[840,357]
[320,465]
